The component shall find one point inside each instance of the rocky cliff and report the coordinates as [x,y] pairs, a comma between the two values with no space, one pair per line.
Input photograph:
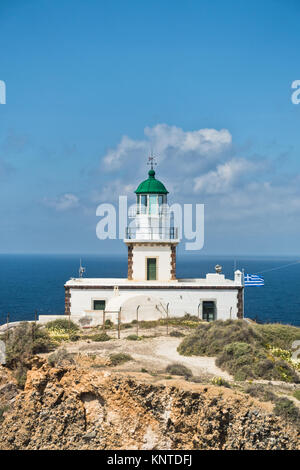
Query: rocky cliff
[76,408]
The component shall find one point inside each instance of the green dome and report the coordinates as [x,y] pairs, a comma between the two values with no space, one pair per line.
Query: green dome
[151,185]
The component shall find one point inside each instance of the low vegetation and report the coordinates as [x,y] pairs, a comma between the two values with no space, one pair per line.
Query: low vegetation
[188,321]
[277,335]
[22,342]
[260,392]
[60,357]
[246,351]
[179,369]
[176,334]
[286,409]
[99,337]
[119,358]
[220,382]
[63,330]
[296,394]
[133,338]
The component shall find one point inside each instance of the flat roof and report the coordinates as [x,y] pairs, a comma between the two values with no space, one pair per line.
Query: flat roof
[213,280]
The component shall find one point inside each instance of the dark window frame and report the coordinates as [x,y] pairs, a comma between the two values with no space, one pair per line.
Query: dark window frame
[100,301]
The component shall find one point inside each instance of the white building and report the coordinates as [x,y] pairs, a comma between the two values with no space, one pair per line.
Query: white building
[151,290]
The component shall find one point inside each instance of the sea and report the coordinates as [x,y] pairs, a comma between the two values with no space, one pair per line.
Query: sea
[35,283]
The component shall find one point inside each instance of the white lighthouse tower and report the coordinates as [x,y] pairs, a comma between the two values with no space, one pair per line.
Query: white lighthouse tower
[151,236]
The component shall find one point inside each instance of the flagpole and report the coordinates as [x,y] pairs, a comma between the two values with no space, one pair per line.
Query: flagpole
[243,271]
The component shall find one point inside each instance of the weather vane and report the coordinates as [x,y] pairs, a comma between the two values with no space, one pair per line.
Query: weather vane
[151,161]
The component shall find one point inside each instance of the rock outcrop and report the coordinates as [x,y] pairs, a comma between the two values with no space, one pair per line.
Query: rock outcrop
[76,408]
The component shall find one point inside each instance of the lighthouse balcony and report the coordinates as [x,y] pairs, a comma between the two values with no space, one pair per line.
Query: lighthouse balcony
[158,211]
[166,234]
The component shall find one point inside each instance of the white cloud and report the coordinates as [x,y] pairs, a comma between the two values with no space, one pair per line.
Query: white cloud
[116,157]
[202,141]
[111,191]
[224,177]
[63,203]
[168,141]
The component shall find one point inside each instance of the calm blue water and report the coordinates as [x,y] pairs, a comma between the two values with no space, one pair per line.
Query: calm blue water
[35,282]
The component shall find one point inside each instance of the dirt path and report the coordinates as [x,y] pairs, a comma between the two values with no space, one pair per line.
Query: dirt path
[153,354]
[198,365]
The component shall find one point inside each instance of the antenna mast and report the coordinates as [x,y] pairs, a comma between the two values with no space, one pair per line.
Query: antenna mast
[81,270]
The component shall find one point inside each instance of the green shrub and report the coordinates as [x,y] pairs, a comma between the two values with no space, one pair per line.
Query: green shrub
[178,369]
[99,337]
[176,334]
[260,392]
[283,371]
[189,321]
[211,338]
[62,330]
[23,341]
[246,361]
[286,409]
[296,394]
[277,335]
[146,324]
[62,324]
[119,358]
[220,382]
[133,338]
[108,323]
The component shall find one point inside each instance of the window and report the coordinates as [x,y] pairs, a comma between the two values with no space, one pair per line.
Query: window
[208,310]
[138,202]
[99,305]
[144,201]
[151,269]
[161,203]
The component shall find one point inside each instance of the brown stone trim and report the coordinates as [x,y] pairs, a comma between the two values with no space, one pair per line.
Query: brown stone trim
[67,300]
[173,262]
[240,303]
[130,262]
[156,287]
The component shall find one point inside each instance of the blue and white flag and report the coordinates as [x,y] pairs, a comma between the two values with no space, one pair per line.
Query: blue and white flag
[253,280]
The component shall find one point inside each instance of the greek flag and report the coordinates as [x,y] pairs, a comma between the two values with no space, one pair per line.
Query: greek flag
[253,280]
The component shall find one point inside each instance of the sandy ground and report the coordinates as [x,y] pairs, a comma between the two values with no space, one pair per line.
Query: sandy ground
[153,354]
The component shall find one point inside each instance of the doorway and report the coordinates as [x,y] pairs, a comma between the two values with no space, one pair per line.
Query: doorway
[151,269]
[208,310]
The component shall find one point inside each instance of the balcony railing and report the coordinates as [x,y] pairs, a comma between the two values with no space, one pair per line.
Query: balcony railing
[149,233]
[144,210]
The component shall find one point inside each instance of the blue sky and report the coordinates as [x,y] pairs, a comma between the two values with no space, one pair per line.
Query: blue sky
[93,85]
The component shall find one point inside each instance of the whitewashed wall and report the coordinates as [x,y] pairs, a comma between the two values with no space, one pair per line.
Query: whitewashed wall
[180,301]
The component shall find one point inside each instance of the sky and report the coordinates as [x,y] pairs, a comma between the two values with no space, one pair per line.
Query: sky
[93,86]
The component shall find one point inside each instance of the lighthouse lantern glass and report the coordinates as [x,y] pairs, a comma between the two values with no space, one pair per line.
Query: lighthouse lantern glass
[144,203]
[153,204]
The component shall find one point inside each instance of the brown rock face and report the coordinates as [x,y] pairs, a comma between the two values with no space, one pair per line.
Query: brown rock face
[71,408]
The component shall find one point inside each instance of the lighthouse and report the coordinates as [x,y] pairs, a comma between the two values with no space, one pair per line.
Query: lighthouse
[151,237]
[152,288]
